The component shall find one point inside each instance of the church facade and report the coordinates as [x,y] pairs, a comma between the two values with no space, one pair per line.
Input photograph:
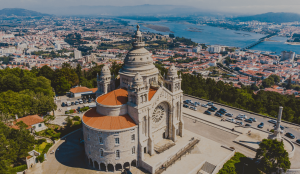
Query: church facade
[127,122]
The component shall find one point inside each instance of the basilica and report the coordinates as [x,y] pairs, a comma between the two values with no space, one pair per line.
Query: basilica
[130,119]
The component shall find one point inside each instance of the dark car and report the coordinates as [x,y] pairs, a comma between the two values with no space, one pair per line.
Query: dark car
[90,100]
[78,108]
[214,108]
[247,125]
[261,125]
[63,104]
[211,109]
[207,112]
[298,141]
[185,105]
[84,100]
[224,110]
[290,135]
[221,111]
[248,120]
[281,127]
[72,103]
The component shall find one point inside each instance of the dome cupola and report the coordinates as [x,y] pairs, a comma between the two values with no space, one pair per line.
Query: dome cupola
[172,72]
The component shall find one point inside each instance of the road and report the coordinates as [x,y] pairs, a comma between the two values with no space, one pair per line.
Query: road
[287,127]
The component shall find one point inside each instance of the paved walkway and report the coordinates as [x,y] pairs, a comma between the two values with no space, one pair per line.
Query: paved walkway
[69,159]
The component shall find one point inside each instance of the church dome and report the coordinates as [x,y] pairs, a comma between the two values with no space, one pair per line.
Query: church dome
[138,59]
[172,72]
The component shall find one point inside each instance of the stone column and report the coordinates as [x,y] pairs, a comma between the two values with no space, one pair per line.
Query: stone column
[105,88]
[150,136]
[277,130]
[173,125]
[181,123]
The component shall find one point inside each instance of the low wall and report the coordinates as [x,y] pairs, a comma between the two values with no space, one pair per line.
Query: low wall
[241,109]
[292,153]
[220,165]
[146,166]
[292,171]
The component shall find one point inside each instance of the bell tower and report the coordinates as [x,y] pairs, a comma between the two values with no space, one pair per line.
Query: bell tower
[138,92]
[172,81]
[105,83]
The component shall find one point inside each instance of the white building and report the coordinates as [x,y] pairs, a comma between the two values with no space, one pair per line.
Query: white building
[214,49]
[287,55]
[197,49]
[129,122]
[34,123]
[77,54]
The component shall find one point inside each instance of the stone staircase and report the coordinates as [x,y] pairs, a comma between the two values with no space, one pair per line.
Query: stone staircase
[160,149]
[177,156]
[207,168]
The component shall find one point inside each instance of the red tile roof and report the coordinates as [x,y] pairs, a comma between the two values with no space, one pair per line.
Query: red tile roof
[98,121]
[28,120]
[81,89]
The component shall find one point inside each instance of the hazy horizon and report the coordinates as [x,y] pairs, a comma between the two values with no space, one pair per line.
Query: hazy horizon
[213,6]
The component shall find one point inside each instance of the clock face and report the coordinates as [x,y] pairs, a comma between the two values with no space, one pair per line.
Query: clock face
[158,114]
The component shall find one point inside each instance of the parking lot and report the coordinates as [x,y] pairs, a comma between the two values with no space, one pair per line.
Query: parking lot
[295,130]
[64,99]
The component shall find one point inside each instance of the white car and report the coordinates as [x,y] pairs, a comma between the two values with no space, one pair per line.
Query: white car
[243,116]
[239,123]
[80,101]
[228,114]
[230,120]
[239,118]
[210,104]
[253,119]
[204,105]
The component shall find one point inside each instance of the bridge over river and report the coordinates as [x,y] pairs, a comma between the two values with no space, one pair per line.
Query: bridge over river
[259,41]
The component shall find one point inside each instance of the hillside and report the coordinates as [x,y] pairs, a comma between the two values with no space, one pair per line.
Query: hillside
[270,17]
[20,12]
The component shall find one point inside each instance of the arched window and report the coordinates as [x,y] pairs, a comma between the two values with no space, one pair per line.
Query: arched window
[100,140]
[133,150]
[117,154]
[88,137]
[133,137]
[101,153]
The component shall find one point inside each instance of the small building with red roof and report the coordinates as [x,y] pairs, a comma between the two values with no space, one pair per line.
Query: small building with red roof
[34,122]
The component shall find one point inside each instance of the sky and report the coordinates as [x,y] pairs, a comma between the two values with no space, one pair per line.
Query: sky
[232,6]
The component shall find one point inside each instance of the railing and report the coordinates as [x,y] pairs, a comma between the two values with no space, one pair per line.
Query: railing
[164,147]
[177,156]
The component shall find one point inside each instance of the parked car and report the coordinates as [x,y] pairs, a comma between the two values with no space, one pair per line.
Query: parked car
[253,119]
[204,105]
[186,102]
[214,108]
[68,103]
[281,127]
[261,125]
[193,108]
[239,123]
[207,112]
[218,114]
[63,104]
[72,103]
[80,101]
[224,110]
[272,121]
[192,104]
[229,114]
[210,104]
[197,103]
[230,120]
[76,102]
[90,100]
[186,106]
[84,100]
[243,116]
[290,135]
[211,109]
[221,111]
[239,118]
[298,141]
[248,120]
[78,108]
[247,125]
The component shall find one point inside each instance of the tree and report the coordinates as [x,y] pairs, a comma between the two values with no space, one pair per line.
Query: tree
[47,72]
[289,84]
[273,156]
[61,85]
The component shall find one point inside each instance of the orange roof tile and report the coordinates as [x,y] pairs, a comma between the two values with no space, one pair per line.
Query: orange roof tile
[98,121]
[152,91]
[28,120]
[115,97]
[80,89]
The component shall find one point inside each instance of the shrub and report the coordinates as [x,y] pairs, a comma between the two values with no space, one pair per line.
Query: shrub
[19,168]
[272,130]
[71,111]
[40,158]
[77,123]
[40,141]
[84,109]
[67,112]
[76,118]
[47,147]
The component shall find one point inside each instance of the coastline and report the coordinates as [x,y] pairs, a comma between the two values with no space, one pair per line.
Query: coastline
[292,43]
[158,28]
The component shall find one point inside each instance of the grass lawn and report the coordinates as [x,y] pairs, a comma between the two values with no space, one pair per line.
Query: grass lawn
[41,147]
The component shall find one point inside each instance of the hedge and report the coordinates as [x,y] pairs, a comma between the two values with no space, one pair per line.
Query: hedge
[84,109]
[40,158]
[19,168]
[47,148]
[77,123]
[76,118]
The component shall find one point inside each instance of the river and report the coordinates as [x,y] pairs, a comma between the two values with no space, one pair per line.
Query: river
[219,36]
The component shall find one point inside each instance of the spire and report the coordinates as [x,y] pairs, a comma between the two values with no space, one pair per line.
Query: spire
[138,38]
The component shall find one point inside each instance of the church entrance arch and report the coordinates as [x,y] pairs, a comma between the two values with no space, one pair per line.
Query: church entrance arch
[160,121]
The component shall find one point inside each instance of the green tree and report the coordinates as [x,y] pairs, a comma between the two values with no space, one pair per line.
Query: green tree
[273,156]
[61,85]
[47,72]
